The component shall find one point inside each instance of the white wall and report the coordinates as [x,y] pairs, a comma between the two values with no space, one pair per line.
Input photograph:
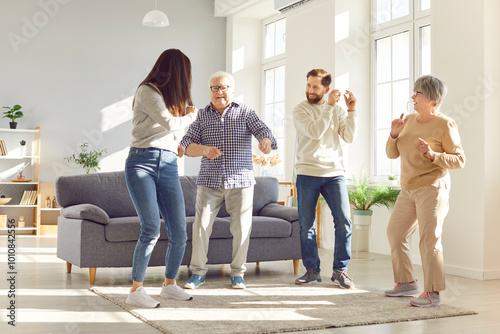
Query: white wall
[74,66]
[492,139]
[244,44]
[309,44]
[463,55]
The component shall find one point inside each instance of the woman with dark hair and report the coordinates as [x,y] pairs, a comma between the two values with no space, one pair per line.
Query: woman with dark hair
[162,105]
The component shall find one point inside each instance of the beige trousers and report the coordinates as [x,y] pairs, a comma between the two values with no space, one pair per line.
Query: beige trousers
[425,208]
[239,205]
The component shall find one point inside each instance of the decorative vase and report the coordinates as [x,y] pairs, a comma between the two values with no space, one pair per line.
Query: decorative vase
[265,171]
[21,223]
[13,125]
[362,217]
[22,150]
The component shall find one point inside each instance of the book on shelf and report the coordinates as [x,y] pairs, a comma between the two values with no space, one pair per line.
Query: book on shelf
[3,148]
[28,198]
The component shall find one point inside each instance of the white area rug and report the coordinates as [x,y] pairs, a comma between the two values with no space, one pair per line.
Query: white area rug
[274,306]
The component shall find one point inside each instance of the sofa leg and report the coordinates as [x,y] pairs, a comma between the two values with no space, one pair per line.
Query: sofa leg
[296,266]
[68,267]
[92,275]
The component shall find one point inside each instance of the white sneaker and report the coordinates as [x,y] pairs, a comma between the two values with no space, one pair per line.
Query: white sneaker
[173,291]
[140,298]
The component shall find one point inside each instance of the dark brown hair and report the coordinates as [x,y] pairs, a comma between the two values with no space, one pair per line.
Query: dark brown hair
[171,76]
[326,78]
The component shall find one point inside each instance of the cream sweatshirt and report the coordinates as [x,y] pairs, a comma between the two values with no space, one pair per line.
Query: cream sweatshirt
[441,133]
[153,124]
[319,130]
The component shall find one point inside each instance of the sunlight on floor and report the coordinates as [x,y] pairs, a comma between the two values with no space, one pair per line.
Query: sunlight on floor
[287,302]
[224,314]
[27,315]
[51,292]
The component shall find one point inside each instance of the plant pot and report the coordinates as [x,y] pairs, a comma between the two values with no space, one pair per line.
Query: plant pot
[13,125]
[22,150]
[362,217]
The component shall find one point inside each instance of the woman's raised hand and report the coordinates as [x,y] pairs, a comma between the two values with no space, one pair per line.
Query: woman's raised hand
[397,126]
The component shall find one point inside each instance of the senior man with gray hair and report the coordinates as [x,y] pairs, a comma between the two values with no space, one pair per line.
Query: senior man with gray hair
[222,136]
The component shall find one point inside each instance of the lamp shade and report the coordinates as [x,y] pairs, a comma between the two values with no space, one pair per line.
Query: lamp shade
[155,18]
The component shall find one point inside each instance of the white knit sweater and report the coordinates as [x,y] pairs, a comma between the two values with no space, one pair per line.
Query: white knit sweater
[319,130]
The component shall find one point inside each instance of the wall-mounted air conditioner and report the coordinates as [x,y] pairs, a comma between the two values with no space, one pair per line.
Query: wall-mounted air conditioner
[285,5]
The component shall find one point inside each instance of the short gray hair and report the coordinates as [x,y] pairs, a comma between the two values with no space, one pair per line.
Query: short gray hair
[432,88]
[222,74]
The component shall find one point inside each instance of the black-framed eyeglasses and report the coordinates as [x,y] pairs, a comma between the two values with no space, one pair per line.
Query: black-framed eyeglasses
[415,93]
[223,88]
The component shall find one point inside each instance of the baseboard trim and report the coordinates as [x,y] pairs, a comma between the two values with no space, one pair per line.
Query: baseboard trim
[483,275]
[491,274]
[464,272]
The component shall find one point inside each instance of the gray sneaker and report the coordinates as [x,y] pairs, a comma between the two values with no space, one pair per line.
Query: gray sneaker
[403,289]
[342,279]
[311,276]
[426,299]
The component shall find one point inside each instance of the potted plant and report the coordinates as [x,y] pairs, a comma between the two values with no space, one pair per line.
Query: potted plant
[89,160]
[393,179]
[363,196]
[13,113]
[22,151]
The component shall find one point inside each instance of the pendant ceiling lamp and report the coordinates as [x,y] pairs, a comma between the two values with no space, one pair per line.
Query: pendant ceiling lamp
[155,18]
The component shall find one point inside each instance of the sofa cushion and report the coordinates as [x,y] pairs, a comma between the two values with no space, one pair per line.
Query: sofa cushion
[87,212]
[280,211]
[127,229]
[268,227]
[266,191]
[106,190]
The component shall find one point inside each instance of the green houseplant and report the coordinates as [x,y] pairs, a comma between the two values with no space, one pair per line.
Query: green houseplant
[13,113]
[88,159]
[22,151]
[363,196]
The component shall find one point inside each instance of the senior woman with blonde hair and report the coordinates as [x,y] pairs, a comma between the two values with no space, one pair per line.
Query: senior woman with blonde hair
[429,145]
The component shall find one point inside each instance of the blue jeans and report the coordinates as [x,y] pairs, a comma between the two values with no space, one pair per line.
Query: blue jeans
[334,190]
[154,186]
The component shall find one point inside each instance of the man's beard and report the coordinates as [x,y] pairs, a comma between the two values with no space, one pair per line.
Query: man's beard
[315,100]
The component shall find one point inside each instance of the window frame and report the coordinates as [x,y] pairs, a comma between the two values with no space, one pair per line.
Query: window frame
[265,22]
[391,23]
[388,32]
[417,24]
[267,64]
[411,23]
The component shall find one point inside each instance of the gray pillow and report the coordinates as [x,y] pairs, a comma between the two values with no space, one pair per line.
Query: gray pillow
[86,211]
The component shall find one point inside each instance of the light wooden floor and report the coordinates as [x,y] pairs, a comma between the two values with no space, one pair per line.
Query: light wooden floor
[49,300]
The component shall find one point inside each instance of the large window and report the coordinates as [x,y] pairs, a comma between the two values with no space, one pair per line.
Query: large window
[401,53]
[273,94]
[275,33]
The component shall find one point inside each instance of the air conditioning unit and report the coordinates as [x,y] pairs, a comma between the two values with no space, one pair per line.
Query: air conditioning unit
[285,5]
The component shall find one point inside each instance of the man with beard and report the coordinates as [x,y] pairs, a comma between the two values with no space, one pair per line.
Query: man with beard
[320,124]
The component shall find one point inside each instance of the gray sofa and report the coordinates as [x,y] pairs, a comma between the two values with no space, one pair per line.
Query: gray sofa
[99,227]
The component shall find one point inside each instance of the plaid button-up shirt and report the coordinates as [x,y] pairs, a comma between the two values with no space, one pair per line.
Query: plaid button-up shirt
[231,133]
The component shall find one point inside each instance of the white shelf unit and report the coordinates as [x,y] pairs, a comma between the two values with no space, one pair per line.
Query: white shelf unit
[9,169]
[47,217]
